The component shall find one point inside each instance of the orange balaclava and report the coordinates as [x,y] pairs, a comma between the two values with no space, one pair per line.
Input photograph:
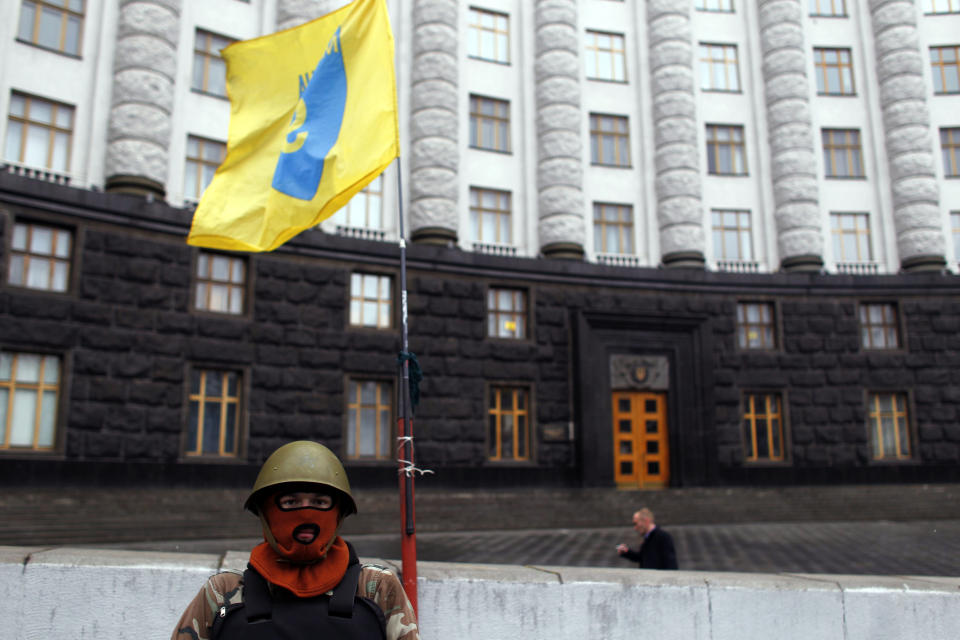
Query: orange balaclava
[302,551]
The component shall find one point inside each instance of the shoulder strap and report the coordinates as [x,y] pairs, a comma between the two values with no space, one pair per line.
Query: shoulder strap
[341,603]
[256,596]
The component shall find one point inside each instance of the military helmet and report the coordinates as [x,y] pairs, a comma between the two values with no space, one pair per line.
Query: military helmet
[304,462]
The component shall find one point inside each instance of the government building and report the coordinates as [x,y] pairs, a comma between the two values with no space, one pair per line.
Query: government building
[650,245]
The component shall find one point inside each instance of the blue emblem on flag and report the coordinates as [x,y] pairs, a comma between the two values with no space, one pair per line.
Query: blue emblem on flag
[314,128]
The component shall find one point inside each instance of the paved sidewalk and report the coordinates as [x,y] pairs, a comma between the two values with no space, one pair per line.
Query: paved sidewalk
[930,548]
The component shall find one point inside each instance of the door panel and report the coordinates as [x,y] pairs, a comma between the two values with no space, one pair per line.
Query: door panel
[641,456]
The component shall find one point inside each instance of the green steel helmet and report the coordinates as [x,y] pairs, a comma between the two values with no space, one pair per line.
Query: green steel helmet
[303,462]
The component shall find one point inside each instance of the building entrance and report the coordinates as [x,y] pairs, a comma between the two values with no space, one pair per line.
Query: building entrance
[641,458]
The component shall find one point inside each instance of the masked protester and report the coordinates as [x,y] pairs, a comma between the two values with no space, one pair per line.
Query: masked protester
[304,580]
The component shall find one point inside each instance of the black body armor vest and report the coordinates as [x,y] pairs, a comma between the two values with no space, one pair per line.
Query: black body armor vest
[341,616]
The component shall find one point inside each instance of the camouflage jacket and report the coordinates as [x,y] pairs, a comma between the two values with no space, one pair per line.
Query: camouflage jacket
[376,583]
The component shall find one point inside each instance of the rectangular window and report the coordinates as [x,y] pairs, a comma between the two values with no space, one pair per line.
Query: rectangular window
[52,24]
[506,313]
[488,37]
[214,413]
[941,6]
[365,209]
[828,8]
[725,151]
[490,216]
[732,235]
[763,427]
[950,147]
[879,328]
[370,420]
[605,56]
[834,71]
[40,257]
[371,300]
[725,6]
[945,63]
[29,394]
[509,416]
[955,224]
[609,140]
[203,158]
[842,154]
[889,426]
[851,237]
[221,281]
[718,67]
[755,328]
[612,228]
[489,124]
[209,69]
[39,133]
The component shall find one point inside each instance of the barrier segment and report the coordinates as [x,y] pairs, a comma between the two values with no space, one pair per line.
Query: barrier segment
[71,593]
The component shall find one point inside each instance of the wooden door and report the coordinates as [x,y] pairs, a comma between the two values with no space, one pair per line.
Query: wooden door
[641,455]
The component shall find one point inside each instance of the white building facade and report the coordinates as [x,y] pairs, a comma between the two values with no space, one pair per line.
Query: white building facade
[746,136]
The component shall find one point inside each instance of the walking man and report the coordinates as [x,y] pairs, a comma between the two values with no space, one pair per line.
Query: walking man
[656,549]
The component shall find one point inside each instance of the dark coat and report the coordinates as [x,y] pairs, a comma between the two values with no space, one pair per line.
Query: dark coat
[656,551]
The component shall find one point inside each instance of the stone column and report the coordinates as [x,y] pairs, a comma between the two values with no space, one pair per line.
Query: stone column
[559,149]
[792,151]
[434,119]
[678,186]
[144,68]
[906,127]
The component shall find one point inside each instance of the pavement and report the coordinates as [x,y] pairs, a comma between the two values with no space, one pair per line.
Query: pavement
[919,548]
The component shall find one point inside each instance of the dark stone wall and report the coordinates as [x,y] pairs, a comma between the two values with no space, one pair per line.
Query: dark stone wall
[129,336]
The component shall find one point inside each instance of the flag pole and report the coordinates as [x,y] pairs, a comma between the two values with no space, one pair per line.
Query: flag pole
[408,544]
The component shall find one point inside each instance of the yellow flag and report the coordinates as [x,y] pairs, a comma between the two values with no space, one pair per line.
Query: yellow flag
[313,119]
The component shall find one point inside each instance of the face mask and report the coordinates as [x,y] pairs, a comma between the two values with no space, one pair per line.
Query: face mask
[299,535]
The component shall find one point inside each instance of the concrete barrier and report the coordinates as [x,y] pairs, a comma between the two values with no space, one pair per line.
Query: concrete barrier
[69,593]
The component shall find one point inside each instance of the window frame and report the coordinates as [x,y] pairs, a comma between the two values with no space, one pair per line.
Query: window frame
[499,121]
[784,459]
[491,392]
[625,229]
[391,312]
[591,43]
[242,399]
[244,286]
[372,193]
[207,56]
[821,69]
[714,146]
[743,327]
[391,454]
[938,69]
[820,13]
[478,29]
[711,63]
[51,131]
[838,233]
[719,9]
[950,151]
[851,146]
[872,417]
[197,164]
[65,14]
[499,315]
[477,212]
[70,260]
[933,7]
[620,139]
[59,421]
[738,231]
[896,324]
